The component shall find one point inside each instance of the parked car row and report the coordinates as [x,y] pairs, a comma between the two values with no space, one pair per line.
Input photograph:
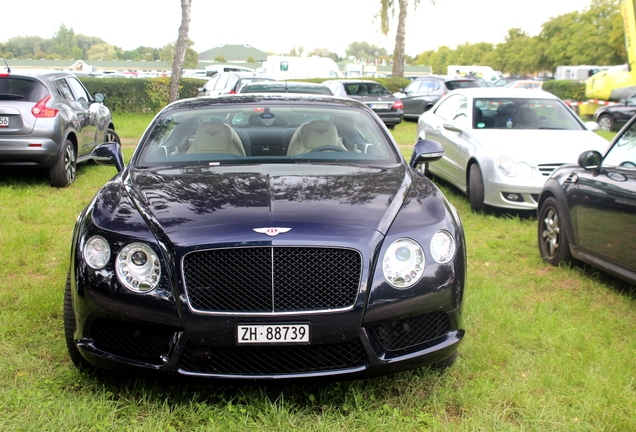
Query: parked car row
[280,234]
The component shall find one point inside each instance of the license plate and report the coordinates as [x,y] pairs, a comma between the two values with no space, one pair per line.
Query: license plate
[4,121]
[380,106]
[272,333]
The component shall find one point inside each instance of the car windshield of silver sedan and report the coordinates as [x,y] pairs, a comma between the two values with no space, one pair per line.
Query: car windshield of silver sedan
[264,133]
[523,113]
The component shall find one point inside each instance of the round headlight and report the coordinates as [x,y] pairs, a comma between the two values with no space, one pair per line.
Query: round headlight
[97,252]
[442,247]
[403,263]
[138,267]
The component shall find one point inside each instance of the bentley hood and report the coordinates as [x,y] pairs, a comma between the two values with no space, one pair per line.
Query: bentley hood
[228,202]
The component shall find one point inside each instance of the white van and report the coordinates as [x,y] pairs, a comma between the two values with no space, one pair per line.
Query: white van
[288,67]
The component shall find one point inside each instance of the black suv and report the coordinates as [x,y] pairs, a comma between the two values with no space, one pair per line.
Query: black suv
[50,121]
[421,94]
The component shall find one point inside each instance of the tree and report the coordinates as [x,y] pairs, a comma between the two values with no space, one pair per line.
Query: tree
[296,52]
[180,50]
[102,51]
[64,40]
[386,7]
[364,51]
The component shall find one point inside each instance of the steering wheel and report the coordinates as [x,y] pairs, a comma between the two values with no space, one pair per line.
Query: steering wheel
[628,164]
[328,148]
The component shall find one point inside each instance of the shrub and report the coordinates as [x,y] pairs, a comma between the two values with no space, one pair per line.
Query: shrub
[140,95]
[566,89]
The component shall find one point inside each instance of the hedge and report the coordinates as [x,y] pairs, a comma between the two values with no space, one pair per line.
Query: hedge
[566,89]
[140,95]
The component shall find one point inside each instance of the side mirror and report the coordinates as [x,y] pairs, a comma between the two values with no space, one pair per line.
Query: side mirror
[590,160]
[426,151]
[99,97]
[109,154]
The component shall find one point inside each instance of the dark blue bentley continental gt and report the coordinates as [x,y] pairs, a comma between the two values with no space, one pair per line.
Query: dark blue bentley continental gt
[261,237]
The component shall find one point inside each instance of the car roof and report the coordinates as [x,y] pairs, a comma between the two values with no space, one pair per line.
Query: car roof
[486,92]
[45,76]
[243,75]
[254,98]
[352,81]
[444,78]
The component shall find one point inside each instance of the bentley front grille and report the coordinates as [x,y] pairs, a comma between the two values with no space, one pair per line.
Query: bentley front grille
[272,279]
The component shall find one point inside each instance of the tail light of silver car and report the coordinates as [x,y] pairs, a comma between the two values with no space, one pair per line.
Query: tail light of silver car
[40,110]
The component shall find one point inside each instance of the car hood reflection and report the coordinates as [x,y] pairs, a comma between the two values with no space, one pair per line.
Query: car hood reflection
[195,198]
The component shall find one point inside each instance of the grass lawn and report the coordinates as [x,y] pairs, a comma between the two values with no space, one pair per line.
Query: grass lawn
[546,349]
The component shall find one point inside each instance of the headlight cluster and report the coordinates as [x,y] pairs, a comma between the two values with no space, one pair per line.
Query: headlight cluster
[404,260]
[510,168]
[137,265]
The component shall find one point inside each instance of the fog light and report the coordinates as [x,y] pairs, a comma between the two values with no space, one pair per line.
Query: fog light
[512,196]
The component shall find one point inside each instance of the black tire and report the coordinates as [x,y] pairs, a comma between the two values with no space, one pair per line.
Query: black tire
[111,136]
[63,172]
[476,192]
[554,244]
[605,122]
[69,329]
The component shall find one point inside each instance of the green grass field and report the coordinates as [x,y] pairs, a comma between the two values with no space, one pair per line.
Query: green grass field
[546,349]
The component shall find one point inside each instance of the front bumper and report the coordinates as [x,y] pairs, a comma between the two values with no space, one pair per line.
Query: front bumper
[513,196]
[377,349]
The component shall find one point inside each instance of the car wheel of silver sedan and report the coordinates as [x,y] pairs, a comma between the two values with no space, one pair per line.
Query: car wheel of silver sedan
[111,136]
[476,192]
[605,122]
[63,172]
[554,245]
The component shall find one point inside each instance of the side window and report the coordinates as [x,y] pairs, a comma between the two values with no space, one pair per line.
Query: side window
[221,83]
[211,82]
[454,108]
[78,90]
[64,90]
[623,153]
[412,87]
[231,83]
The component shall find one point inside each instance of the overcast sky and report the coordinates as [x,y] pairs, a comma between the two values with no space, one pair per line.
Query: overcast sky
[280,25]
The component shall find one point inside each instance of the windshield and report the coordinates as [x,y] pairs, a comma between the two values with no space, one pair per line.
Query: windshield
[264,133]
[285,87]
[523,113]
[366,89]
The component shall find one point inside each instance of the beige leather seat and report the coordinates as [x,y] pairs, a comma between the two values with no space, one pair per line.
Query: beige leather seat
[314,134]
[214,137]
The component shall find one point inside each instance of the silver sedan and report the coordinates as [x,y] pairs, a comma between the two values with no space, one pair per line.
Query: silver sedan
[502,144]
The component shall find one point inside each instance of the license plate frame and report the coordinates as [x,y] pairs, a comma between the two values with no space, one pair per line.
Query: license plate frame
[380,106]
[286,334]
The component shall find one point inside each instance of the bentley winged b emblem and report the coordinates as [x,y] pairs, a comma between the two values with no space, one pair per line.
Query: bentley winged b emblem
[271,231]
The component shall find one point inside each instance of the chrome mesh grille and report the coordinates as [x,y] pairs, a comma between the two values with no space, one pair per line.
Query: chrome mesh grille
[272,279]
